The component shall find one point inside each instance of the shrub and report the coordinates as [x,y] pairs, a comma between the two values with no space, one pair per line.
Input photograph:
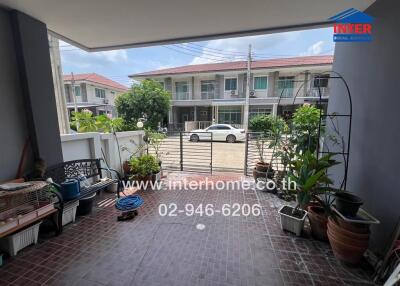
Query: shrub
[268,124]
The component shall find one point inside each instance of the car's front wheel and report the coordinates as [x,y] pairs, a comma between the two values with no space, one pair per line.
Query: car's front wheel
[231,138]
[194,138]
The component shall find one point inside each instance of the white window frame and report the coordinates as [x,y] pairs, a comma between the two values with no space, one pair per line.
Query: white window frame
[214,84]
[80,90]
[254,82]
[188,89]
[98,88]
[237,83]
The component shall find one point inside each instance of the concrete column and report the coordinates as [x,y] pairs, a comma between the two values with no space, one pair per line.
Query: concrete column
[170,115]
[272,76]
[34,67]
[195,113]
[275,109]
[306,82]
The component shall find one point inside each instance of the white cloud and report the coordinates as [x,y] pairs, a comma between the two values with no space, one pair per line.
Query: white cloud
[314,49]
[237,48]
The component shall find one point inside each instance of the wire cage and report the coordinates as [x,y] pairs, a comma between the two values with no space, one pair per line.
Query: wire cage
[20,207]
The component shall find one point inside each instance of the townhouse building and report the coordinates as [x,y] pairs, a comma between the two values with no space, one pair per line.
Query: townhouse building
[92,91]
[216,93]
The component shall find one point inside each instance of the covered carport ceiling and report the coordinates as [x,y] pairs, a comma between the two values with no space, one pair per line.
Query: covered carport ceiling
[105,24]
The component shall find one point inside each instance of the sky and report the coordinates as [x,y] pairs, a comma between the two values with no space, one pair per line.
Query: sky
[118,64]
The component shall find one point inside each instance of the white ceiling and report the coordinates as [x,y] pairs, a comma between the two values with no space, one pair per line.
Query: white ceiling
[108,24]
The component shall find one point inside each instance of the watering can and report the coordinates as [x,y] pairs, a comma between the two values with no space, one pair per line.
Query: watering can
[70,189]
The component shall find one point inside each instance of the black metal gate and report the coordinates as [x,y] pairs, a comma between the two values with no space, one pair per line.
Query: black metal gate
[180,152]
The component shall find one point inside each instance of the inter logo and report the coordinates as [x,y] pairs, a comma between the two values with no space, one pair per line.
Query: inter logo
[352,26]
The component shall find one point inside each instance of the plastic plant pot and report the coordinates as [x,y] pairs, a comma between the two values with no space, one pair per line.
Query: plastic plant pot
[347,203]
[86,205]
[290,221]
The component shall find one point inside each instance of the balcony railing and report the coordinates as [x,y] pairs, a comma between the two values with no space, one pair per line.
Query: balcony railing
[207,94]
[182,95]
[314,92]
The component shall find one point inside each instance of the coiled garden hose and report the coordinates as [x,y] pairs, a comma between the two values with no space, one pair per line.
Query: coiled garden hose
[129,203]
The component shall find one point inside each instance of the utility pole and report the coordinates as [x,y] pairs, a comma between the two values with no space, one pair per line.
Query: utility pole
[246,105]
[74,98]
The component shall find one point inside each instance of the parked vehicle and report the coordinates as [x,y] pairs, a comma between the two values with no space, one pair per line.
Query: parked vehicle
[220,132]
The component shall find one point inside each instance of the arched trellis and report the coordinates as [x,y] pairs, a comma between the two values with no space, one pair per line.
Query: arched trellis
[345,144]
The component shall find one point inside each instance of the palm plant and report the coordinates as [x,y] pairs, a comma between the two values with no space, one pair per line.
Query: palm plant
[310,175]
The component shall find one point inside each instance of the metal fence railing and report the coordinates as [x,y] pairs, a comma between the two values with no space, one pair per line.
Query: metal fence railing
[178,152]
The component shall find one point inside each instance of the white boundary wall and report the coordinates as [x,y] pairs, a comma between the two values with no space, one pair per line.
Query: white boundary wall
[90,145]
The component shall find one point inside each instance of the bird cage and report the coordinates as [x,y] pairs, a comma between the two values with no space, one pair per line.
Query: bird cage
[22,207]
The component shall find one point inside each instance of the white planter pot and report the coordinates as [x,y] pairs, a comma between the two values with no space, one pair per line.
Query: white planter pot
[17,241]
[69,213]
[291,223]
[113,188]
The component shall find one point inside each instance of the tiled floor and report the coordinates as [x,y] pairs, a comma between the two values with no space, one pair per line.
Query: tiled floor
[155,250]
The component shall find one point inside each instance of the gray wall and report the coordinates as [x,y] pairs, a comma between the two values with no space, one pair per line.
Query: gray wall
[28,108]
[13,128]
[36,80]
[371,71]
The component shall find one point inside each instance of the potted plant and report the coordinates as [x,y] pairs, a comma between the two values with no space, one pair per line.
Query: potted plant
[144,168]
[347,203]
[309,174]
[262,169]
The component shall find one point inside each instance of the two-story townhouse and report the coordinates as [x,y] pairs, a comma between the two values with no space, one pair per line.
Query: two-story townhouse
[92,91]
[209,93]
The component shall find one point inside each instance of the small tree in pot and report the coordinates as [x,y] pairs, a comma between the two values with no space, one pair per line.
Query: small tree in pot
[309,175]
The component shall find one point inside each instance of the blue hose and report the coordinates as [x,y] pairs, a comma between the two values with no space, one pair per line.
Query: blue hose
[129,203]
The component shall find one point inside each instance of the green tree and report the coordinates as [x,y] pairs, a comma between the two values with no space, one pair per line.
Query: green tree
[149,98]
[268,124]
[305,124]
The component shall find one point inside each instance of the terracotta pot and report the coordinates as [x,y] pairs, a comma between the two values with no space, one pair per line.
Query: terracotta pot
[341,237]
[262,174]
[346,253]
[338,229]
[318,222]
[126,168]
[262,167]
[353,227]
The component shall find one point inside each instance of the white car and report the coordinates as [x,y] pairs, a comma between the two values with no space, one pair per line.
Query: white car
[220,132]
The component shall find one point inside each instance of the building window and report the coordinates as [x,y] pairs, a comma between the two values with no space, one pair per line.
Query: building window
[321,81]
[285,86]
[230,84]
[260,82]
[78,91]
[207,89]
[230,115]
[182,90]
[259,110]
[100,93]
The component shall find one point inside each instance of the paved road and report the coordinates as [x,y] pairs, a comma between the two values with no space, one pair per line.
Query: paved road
[225,156]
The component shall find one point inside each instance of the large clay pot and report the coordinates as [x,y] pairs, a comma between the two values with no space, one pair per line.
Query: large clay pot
[353,227]
[347,246]
[346,253]
[318,222]
[338,229]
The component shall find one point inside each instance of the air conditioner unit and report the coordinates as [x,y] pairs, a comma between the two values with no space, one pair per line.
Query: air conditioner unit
[252,93]
[233,92]
[105,101]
